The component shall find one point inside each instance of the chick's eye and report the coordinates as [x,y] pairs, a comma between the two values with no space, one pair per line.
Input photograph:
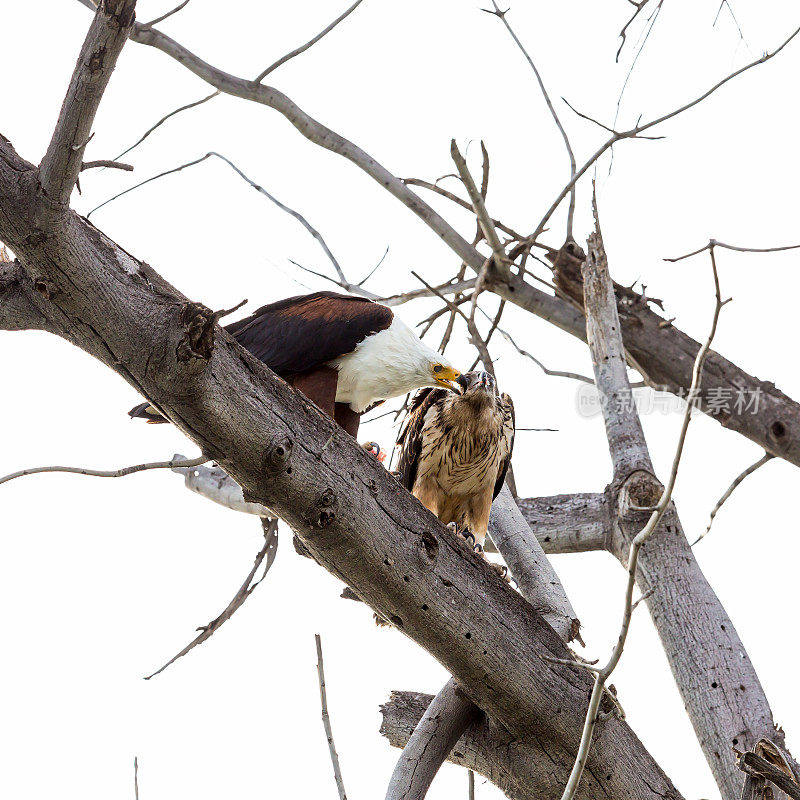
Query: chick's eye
[437,368]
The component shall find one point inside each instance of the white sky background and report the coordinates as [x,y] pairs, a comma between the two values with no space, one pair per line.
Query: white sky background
[102,581]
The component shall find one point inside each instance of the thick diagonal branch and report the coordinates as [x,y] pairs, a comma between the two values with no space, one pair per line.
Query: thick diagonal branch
[349,513]
[61,164]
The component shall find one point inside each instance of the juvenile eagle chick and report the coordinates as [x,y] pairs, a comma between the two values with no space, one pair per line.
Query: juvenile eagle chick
[455,450]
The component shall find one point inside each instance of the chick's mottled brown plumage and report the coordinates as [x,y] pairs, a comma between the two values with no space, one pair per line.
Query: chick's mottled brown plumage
[455,450]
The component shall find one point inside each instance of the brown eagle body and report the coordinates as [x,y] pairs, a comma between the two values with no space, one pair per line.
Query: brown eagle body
[344,353]
[455,451]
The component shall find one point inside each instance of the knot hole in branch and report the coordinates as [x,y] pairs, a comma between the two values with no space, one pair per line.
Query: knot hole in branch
[778,432]
[640,493]
[430,545]
[278,455]
[197,342]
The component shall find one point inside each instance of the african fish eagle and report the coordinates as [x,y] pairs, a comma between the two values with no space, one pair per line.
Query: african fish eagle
[345,353]
[455,450]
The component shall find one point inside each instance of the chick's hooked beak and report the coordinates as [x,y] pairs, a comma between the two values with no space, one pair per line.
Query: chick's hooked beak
[446,376]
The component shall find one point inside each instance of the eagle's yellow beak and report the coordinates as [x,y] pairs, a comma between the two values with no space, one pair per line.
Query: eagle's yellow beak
[446,376]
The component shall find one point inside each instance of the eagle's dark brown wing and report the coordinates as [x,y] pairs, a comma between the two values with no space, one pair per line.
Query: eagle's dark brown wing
[410,438]
[509,423]
[303,332]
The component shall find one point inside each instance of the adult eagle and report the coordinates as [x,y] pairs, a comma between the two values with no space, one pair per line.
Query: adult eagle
[455,452]
[344,353]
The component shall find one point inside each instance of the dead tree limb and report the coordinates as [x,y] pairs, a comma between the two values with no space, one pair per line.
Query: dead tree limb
[449,714]
[664,353]
[268,552]
[348,512]
[721,691]
[61,164]
[522,770]
[628,448]
[326,720]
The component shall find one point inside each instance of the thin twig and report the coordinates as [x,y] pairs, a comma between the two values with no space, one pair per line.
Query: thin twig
[303,47]
[729,491]
[326,721]
[640,128]
[445,288]
[556,373]
[268,551]
[136,778]
[165,16]
[636,546]
[714,243]
[475,336]
[470,785]
[342,280]
[115,473]
[107,163]
[553,113]
[460,202]
[479,207]
[282,60]
[165,118]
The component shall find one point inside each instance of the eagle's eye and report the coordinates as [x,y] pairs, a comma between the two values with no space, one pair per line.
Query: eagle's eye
[438,368]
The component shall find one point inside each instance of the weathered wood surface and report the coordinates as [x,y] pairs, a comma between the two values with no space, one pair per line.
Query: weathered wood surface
[348,512]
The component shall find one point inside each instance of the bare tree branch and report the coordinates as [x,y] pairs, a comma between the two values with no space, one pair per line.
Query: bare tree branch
[641,128]
[623,426]
[166,16]
[108,163]
[342,280]
[569,523]
[163,119]
[310,43]
[107,34]
[282,60]
[444,722]
[326,720]
[713,243]
[553,113]
[176,461]
[268,551]
[729,491]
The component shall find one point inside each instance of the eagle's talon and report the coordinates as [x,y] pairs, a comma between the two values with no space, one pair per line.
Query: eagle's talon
[478,548]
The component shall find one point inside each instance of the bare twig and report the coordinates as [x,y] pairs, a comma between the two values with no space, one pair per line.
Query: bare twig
[136,778]
[712,243]
[445,288]
[475,337]
[342,280]
[572,166]
[729,491]
[165,16]
[479,207]
[623,33]
[268,552]
[108,163]
[326,721]
[163,119]
[298,50]
[642,127]
[470,784]
[100,473]
[460,202]
[596,261]
[282,60]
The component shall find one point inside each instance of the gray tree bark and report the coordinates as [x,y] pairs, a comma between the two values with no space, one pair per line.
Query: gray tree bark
[664,354]
[352,516]
[721,691]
